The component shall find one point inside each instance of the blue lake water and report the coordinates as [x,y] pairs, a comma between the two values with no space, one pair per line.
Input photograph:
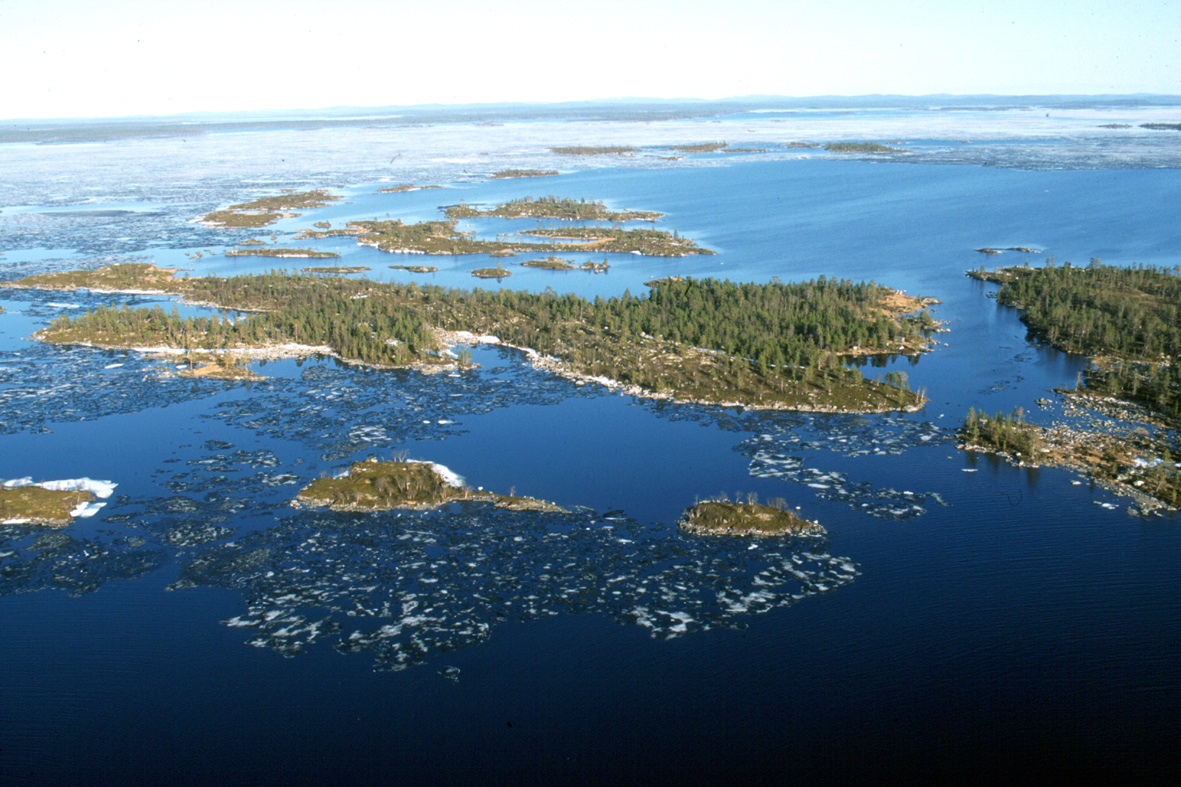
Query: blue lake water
[961,614]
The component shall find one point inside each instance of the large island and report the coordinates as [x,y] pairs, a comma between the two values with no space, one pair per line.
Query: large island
[768,346]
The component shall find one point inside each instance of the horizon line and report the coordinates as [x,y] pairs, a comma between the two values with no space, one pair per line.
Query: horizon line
[631,102]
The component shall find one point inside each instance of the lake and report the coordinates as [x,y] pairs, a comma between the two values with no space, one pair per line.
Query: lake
[961,614]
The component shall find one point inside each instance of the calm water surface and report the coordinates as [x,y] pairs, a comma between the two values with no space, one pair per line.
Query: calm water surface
[961,615]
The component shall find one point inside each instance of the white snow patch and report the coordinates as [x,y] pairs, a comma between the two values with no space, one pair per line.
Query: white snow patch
[100,489]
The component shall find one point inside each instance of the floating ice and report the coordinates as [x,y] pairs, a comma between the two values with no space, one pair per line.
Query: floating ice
[100,489]
[494,565]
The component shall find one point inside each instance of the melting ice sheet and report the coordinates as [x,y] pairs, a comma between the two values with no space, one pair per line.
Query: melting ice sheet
[406,586]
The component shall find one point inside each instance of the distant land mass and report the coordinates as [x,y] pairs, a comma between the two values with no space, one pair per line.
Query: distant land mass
[620,109]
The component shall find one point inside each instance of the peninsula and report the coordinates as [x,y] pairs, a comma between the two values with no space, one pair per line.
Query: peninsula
[371,485]
[772,346]
[1128,320]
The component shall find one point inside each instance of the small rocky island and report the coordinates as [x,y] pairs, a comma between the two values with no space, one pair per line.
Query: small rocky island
[282,253]
[371,485]
[523,173]
[267,210]
[723,518]
[50,503]
[551,207]
[32,505]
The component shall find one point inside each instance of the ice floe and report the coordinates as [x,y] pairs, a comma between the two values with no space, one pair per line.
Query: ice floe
[415,584]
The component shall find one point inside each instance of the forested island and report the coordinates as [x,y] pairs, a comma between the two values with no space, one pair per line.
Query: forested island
[415,268]
[700,147]
[268,210]
[771,345]
[282,253]
[723,518]
[551,207]
[861,147]
[1129,321]
[371,485]
[401,188]
[523,173]
[491,273]
[442,238]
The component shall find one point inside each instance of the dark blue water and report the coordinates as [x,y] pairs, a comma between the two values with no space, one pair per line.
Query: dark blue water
[962,615]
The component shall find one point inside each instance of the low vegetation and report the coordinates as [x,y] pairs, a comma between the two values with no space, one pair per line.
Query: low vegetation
[36,506]
[371,485]
[273,252]
[590,150]
[1129,321]
[649,242]
[524,173]
[861,147]
[551,207]
[112,278]
[442,238]
[404,187]
[723,518]
[337,270]
[699,147]
[550,264]
[267,210]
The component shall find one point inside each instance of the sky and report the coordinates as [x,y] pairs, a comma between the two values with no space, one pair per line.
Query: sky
[82,58]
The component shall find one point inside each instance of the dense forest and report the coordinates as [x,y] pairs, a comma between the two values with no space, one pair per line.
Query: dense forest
[1129,321]
[1129,318]
[769,344]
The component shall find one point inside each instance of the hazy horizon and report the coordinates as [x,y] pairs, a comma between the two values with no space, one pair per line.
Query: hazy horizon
[130,58]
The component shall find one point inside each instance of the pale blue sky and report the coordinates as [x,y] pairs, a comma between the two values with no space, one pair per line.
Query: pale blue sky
[64,58]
